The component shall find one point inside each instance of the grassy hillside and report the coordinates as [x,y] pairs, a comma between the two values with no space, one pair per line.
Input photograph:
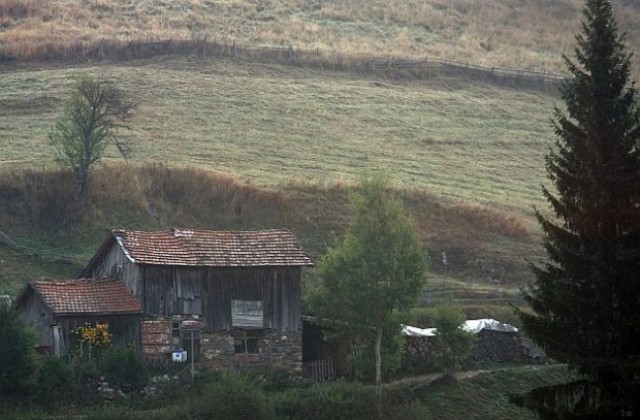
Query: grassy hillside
[36,210]
[273,124]
[501,33]
[466,157]
[227,143]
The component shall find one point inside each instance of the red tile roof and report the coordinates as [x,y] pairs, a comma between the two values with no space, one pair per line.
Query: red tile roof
[108,296]
[186,247]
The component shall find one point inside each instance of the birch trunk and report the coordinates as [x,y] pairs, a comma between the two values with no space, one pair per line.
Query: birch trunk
[378,370]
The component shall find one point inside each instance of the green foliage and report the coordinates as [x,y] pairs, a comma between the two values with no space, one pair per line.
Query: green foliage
[230,395]
[18,363]
[339,400]
[392,348]
[585,297]
[377,270]
[124,368]
[272,379]
[90,120]
[455,343]
[55,382]
[85,376]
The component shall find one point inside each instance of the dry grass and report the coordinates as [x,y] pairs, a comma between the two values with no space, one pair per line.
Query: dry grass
[37,208]
[466,157]
[272,125]
[500,33]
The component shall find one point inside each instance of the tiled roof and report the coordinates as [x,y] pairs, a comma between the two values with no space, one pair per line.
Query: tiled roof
[185,247]
[107,296]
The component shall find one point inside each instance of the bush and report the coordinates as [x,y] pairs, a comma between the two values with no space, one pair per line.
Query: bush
[124,368]
[339,400]
[229,396]
[54,382]
[18,365]
[456,343]
[85,379]
[272,380]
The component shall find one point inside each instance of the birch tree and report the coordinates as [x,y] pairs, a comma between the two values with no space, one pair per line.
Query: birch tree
[376,272]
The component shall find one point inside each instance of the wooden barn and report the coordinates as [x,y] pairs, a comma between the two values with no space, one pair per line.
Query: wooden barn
[244,288]
[56,308]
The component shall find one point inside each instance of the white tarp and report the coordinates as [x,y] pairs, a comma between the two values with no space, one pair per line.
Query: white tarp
[477,325]
[471,325]
[410,331]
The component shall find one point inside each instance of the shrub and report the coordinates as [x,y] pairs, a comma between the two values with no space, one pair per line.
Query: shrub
[17,359]
[231,395]
[456,343]
[339,400]
[85,378]
[54,382]
[272,380]
[124,368]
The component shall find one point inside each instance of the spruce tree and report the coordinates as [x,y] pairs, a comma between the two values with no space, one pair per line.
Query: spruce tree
[586,297]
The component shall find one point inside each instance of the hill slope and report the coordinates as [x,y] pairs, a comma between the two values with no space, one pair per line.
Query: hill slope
[502,33]
[465,156]
[273,124]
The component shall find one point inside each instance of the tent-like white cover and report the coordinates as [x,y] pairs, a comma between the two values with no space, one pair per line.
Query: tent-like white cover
[471,325]
[410,331]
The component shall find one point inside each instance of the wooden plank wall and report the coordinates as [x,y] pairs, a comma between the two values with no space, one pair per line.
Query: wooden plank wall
[208,292]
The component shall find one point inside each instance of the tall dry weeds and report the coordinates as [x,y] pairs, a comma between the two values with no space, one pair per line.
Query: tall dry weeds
[480,241]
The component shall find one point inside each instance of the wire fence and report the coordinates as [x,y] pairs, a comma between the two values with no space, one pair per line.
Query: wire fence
[390,67]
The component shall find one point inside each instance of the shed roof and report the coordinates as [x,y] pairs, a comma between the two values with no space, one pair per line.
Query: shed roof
[191,247]
[99,297]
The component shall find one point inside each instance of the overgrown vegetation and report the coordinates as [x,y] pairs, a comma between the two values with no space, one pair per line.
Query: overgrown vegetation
[19,365]
[270,396]
[455,343]
[35,204]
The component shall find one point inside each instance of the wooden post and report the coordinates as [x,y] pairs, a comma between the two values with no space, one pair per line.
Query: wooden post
[192,358]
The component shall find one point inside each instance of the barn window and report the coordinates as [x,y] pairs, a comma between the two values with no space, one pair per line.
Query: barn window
[185,334]
[247,313]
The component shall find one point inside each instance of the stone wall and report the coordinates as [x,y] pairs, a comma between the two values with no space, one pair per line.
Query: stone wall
[276,349]
[498,346]
[490,346]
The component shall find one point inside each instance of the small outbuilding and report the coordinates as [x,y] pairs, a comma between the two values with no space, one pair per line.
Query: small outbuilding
[242,287]
[56,308]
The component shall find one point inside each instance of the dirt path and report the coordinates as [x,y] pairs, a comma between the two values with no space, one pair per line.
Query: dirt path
[425,380]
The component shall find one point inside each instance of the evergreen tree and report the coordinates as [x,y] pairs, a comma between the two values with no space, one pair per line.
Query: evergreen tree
[586,298]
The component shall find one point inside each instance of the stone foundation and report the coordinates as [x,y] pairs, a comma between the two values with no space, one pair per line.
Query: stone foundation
[252,348]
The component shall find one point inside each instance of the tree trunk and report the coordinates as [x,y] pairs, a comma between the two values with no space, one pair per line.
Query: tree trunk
[379,370]
[82,178]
